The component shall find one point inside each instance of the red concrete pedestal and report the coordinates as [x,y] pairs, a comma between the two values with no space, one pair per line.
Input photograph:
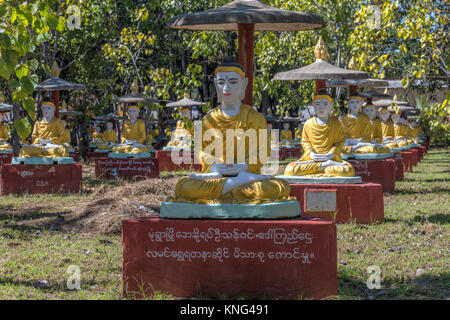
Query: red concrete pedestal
[376,171]
[399,168]
[130,169]
[25,178]
[182,161]
[415,156]
[407,160]
[5,158]
[290,153]
[91,156]
[422,151]
[359,203]
[75,156]
[294,258]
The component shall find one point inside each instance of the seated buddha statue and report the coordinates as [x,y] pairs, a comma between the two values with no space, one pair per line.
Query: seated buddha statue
[133,133]
[4,134]
[298,134]
[375,128]
[231,165]
[152,134]
[109,136]
[322,142]
[387,128]
[357,129]
[272,136]
[286,140]
[47,137]
[416,132]
[181,137]
[401,131]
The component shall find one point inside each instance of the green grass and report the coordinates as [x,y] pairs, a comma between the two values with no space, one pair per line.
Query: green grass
[411,247]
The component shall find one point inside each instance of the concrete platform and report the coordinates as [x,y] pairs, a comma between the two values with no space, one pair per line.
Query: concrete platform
[130,169]
[320,180]
[42,161]
[289,258]
[367,156]
[342,203]
[380,171]
[26,178]
[274,210]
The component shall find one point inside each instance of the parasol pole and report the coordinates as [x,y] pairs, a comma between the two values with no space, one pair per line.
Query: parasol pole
[246,37]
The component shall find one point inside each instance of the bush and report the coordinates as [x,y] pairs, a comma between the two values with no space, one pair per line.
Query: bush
[435,119]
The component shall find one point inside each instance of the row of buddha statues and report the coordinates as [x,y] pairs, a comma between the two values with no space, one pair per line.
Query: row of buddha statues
[238,179]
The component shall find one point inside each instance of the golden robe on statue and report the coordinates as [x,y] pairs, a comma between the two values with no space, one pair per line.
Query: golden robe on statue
[388,132]
[53,131]
[180,132]
[359,128]
[401,131]
[132,131]
[4,136]
[321,139]
[210,191]
[109,136]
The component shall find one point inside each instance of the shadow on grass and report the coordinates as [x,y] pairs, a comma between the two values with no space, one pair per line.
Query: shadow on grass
[52,287]
[421,191]
[422,287]
[439,218]
[30,214]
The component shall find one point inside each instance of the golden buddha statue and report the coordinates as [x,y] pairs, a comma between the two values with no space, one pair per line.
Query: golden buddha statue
[387,128]
[322,142]
[109,135]
[376,136]
[231,165]
[152,134]
[286,140]
[184,131]
[4,134]
[357,129]
[47,137]
[298,134]
[401,131]
[133,133]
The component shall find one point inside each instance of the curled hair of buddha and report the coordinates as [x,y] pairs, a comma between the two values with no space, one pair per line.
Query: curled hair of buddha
[229,64]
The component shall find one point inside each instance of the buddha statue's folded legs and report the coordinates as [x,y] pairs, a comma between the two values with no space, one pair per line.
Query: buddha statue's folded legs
[320,169]
[211,191]
[5,145]
[43,152]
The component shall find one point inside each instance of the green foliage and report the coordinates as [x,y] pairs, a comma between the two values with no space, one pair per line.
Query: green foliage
[436,120]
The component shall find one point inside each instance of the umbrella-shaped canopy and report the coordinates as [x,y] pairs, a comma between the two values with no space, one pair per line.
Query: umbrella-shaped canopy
[320,69]
[110,116]
[70,113]
[365,83]
[4,107]
[265,18]
[135,96]
[388,102]
[246,17]
[185,102]
[55,83]
[58,84]
[372,94]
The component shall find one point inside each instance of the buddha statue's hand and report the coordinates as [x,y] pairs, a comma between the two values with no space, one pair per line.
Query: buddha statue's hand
[51,146]
[205,176]
[320,157]
[329,163]
[130,142]
[229,169]
[352,142]
[44,142]
[241,179]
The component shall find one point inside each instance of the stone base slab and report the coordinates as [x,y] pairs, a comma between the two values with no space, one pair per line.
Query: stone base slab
[273,210]
[320,180]
[292,259]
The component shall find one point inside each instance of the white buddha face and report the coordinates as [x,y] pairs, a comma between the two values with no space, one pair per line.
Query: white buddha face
[395,118]
[109,126]
[269,126]
[97,129]
[133,114]
[384,115]
[286,126]
[371,112]
[322,108]
[64,123]
[194,113]
[48,112]
[354,106]
[230,87]
[154,114]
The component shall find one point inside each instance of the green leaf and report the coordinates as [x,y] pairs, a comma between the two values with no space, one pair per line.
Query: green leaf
[33,64]
[29,84]
[4,70]
[28,105]
[23,128]
[43,37]
[22,71]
